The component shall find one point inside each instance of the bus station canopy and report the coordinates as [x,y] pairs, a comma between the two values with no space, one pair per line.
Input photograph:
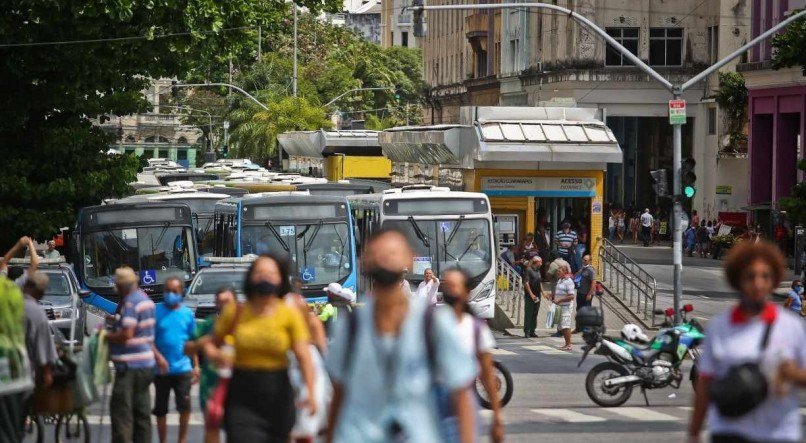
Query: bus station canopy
[323,143]
[500,135]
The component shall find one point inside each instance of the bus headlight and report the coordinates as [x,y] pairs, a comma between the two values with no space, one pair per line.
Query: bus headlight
[483,291]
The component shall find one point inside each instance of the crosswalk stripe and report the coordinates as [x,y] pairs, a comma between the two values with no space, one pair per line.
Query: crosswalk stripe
[196,419]
[686,408]
[569,416]
[499,351]
[546,350]
[642,414]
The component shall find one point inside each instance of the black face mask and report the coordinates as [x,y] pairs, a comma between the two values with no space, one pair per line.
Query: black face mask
[451,299]
[263,288]
[383,276]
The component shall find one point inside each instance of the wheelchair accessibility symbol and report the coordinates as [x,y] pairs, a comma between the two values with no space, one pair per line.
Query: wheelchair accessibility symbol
[308,273]
[148,277]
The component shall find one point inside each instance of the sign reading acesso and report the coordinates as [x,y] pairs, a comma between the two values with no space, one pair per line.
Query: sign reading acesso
[539,186]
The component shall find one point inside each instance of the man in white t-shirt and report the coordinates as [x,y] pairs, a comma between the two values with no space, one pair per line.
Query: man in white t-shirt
[427,289]
[646,226]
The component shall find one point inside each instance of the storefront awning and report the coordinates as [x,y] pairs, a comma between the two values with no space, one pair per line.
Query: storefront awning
[532,135]
[323,143]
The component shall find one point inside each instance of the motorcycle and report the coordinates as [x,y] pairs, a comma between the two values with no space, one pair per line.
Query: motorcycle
[504,386]
[653,365]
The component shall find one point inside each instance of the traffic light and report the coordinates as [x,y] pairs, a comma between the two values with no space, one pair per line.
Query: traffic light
[419,25]
[688,178]
[661,185]
[397,94]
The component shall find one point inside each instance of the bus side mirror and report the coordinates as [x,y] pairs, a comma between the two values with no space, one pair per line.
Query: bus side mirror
[84,293]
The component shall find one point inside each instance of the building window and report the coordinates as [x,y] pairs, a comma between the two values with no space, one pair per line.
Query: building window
[181,154]
[481,64]
[711,121]
[666,46]
[627,37]
[163,153]
[404,39]
[514,47]
[130,139]
[392,38]
[713,44]
[182,141]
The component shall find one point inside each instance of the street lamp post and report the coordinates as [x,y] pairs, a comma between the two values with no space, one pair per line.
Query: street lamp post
[675,90]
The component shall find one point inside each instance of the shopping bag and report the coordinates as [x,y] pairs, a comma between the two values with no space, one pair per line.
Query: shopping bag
[214,417]
[550,317]
[558,315]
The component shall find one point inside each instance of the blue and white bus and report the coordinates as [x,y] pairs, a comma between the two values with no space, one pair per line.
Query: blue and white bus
[156,239]
[315,231]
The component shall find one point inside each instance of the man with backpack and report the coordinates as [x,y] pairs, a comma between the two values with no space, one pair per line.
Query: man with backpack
[387,359]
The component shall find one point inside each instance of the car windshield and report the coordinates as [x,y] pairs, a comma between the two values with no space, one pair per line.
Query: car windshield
[155,252]
[209,282]
[59,288]
[320,252]
[443,244]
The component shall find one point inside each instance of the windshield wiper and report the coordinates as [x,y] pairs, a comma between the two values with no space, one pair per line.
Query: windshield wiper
[159,239]
[277,236]
[447,240]
[420,234]
[307,245]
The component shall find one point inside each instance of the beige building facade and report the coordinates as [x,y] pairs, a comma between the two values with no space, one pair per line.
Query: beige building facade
[543,58]
[397,24]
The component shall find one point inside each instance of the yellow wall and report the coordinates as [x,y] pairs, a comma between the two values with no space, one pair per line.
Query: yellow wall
[341,167]
[526,205]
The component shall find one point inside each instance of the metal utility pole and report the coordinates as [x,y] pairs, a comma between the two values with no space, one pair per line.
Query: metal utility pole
[383,88]
[294,74]
[226,136]
[675,90]
[230,86]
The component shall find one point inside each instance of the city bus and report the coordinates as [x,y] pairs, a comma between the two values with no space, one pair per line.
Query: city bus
[202,207]
[445,228]
[339,188]
[156,239]
[314,231]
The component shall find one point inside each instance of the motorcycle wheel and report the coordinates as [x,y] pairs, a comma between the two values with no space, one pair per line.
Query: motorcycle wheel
[503,380]
[694,375]
[601,395]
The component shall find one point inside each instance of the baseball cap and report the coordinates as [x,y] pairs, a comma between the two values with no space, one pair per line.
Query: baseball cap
[333,288]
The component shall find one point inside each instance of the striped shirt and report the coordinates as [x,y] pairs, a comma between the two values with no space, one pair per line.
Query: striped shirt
[137,312]
[565,241]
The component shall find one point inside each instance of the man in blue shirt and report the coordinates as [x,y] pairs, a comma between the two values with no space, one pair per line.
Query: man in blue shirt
[131,351]
[175,324]
[383,371]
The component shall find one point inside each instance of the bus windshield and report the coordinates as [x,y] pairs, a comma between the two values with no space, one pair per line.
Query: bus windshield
[442,244]
[156,253]
[320,252]
[205,235]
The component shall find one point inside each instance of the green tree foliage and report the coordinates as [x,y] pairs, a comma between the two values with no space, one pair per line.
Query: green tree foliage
[790,46]
[795,204]
[732,100]
[255,130]
[332,60]
[54,161]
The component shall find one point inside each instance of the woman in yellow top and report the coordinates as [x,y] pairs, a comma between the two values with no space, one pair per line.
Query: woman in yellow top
[260,400]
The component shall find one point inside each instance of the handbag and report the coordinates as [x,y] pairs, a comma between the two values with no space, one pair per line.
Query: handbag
[558,315]
[743,387]
[214,415]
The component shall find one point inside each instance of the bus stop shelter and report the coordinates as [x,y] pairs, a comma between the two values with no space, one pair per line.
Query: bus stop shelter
[339,154]
[539,166]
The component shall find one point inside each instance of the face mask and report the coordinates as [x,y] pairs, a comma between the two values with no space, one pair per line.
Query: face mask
[384,277]
[172,299]
[451,299]
[264,288]
[799,289]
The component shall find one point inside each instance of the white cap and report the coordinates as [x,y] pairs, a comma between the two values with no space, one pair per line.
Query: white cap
[333,288]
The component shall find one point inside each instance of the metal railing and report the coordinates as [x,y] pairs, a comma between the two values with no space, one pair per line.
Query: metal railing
[509,294]
[627,280]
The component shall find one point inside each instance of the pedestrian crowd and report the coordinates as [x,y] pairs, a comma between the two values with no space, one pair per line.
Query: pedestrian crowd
[274,369]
